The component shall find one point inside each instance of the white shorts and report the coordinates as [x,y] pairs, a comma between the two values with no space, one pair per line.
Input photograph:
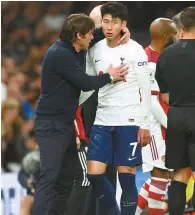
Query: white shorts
[153,154]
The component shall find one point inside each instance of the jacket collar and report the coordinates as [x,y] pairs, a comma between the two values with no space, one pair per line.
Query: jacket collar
[66,44]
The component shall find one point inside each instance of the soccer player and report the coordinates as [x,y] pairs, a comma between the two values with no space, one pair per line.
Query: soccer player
[88,113]
[152,193]
[116,136]
[175,75]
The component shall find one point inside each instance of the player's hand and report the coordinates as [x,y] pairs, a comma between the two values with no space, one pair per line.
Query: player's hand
[78,142]
[126,37]
[118,73]
[165,97]
[143,137]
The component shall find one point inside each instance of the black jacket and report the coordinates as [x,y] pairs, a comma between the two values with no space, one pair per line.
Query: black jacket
[63,78]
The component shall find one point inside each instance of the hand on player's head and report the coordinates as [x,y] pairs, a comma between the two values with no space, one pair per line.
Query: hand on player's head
[118,73]
[143,137]
[126,37]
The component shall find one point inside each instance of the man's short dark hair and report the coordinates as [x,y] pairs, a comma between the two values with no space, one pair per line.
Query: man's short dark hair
[76,23]
[176,19]
[115,9]
[188,18]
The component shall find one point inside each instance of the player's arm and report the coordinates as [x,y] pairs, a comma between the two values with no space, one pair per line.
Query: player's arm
[143,79]
[165,97]
[90,71]
[79,128]
[71,71]
[158,111]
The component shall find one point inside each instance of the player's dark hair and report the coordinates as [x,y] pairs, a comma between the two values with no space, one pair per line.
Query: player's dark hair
[176,19]
[115,9]
[76,23]
[188,18]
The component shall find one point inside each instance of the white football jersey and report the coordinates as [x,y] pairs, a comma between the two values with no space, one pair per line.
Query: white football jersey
[154,84]
[120,103]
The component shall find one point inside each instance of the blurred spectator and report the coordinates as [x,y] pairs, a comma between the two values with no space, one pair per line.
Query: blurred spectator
[31,14]
[3,83]
[29,103]
[28,177]
[9,64]
[13,142]
[53,18]
[18,78]
[19,42]
[30,142]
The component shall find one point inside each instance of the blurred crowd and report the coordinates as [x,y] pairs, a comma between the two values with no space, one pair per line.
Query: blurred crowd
[28,29]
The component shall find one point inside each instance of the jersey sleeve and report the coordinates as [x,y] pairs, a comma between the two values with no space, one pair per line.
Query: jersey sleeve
[142,72]
[158,111]
[154,85]
[90,71]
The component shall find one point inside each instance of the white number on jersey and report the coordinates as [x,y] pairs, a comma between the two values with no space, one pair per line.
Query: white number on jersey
[134,148]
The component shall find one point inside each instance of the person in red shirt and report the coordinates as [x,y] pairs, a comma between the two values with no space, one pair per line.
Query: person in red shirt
[152,193]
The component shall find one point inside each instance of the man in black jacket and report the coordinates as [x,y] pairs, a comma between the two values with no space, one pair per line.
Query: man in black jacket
[63,78]
[175,74]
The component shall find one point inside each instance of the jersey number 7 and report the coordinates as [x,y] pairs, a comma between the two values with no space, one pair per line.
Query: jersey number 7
[134,144]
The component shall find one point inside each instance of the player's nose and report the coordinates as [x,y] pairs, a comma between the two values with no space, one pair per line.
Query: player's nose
[109,27]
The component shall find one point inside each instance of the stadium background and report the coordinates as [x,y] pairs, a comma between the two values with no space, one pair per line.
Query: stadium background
[27,30]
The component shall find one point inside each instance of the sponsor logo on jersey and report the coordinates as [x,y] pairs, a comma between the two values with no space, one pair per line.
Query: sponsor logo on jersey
[143,63]
[131,120]
[122,59]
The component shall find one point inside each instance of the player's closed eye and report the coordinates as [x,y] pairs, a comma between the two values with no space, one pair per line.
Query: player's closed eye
[105,21]
[115,22]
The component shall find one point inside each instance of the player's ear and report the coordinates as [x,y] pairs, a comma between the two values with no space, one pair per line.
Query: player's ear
[166,37]
[79,36]
[124,24]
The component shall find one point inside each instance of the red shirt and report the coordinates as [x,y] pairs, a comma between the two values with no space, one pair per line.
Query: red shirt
[79,126]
